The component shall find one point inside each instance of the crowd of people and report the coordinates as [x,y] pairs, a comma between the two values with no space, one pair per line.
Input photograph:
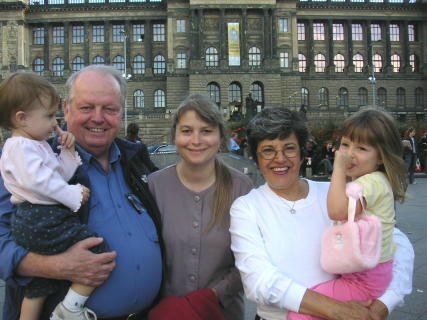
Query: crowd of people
[91,229]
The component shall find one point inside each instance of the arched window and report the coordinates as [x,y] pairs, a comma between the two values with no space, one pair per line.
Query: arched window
[98,60]
[211,57]
[159,64]
[323,97]
[319,62]
[363,97]
[257,91]
[342,97]
[339,62]
[138,99]
[304,97]
[77,64]
[119,64]
[377,60]
[254,57]
[58,67]
[414,62]
[395,62]
[400,97]
[214,92]
[419,97]
[38,66]
[159,99]
[382,97]
[234,92]
[358,62]
[138,65]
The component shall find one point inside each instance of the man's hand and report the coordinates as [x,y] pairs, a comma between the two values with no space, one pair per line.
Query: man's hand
[77,264]
[66,139]
[379,309]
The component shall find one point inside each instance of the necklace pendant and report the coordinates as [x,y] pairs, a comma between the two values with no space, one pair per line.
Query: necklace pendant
[292,211]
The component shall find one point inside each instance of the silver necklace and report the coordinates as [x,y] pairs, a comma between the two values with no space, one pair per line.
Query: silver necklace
[291,209]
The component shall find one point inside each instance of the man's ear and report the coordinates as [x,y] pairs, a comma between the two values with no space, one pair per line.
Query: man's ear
[66,110]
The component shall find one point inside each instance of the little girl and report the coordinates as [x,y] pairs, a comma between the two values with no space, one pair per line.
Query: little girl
[370,154]
[45,221]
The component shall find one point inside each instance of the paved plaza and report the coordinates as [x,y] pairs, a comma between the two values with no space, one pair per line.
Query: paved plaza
[412,220]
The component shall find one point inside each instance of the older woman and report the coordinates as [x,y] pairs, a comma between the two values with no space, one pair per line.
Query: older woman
[277,228]
[194,198]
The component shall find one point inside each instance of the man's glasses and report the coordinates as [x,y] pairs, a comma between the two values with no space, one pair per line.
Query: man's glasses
[269,153]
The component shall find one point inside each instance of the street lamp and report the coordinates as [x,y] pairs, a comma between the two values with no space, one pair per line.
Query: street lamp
[125,75]
[373,81]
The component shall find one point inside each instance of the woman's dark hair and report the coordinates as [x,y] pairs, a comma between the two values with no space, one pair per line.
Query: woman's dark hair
[132,131]
[276,123]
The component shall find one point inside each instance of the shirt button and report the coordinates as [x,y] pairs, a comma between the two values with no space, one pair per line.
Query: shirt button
[194,251]
[195,224]
[192,277]
[119,206]
[197,198]
[130,234]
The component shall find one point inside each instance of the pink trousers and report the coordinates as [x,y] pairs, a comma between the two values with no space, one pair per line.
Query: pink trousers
[365,285]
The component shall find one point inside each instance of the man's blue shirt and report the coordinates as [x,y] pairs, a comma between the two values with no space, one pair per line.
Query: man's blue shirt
[127,228]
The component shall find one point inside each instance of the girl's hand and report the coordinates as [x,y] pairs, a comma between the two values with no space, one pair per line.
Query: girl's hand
[342,160]
[85,193]
[66,139]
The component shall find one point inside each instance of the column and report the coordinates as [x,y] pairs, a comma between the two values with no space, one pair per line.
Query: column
[222,33]
[86,49]
[194,34]
[46,46]
[107,26]
[200,32]
[274,32]
[243,30]
[148,42]
[405,45]
[67,46]
[310,46]
[127,47]
[387,58]
[368,43]
[349,46]
[266,34]
[329,36]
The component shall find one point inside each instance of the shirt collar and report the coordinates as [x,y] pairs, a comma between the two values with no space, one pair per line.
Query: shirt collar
[115,153]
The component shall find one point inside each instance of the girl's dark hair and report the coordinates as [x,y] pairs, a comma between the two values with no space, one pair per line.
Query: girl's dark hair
[276,123]
[23,91]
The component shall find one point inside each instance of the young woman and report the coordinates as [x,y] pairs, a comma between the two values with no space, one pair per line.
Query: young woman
[194,198]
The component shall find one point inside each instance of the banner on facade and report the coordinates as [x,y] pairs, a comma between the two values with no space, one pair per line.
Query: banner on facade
[233,44]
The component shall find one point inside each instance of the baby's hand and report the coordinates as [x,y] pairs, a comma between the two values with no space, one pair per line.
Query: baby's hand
[66,139]
[342,160]
[85,193]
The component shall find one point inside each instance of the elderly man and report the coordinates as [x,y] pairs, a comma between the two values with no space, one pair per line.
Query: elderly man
[121,210]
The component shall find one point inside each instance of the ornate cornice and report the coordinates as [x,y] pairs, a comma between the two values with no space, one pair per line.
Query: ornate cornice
[95,7]
[7,6]
[360,6]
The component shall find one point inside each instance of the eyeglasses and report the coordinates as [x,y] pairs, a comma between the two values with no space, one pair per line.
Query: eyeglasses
[269,153]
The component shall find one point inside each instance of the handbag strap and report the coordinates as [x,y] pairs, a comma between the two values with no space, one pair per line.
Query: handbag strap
[354,192]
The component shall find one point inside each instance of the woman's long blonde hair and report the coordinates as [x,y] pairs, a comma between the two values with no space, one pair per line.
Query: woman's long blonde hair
[378,129]
[209,113]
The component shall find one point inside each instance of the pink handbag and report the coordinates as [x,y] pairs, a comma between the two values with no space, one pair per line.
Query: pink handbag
[352,246]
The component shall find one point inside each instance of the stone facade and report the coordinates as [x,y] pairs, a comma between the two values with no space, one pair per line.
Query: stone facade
[174,47]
